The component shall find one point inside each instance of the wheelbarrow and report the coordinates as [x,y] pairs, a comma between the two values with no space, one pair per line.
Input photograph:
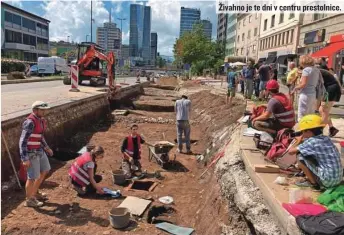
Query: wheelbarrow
[159,151]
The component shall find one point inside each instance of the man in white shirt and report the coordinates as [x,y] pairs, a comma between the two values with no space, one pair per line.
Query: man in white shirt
[183,109]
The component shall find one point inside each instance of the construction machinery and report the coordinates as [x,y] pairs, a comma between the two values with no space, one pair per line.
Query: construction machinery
[92,61]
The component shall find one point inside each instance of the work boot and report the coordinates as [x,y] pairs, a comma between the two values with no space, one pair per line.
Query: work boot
[41,196]
[33,202]
[333,131]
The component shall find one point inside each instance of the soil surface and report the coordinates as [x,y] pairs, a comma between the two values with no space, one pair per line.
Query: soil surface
[198,203]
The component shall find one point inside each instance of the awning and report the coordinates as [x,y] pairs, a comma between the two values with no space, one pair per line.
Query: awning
[261,59]
[329,50]
[282,59]
[271,60]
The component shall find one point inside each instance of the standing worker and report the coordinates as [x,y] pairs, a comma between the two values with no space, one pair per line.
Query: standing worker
[33,149]
[232,85]
[131,150]
[183,109]
[249,73]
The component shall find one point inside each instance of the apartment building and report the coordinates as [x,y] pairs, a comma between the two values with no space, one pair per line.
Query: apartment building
[247,35]
[109,38]
[221,27]
[322,35]
[231,34]
[25,36]
[279,38]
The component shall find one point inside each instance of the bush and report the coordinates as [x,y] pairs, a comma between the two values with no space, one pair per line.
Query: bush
[7,67]
[15,75]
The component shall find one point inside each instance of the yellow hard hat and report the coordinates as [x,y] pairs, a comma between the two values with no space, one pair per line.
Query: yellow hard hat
[310,121]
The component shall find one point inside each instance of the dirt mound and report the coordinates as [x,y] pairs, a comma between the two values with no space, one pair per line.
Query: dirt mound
[213,113]
[168,81]
[15,75]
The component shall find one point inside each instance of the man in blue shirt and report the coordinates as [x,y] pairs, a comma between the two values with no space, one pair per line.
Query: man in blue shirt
[232,85]
[249,74]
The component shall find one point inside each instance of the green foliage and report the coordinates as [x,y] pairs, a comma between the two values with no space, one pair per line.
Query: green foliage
[7,67]
[196,49]
[160,62]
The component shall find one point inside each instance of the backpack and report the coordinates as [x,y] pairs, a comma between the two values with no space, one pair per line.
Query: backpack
[282,142]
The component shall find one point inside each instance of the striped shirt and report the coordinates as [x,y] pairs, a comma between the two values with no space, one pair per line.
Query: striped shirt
[183,108]
[28,127]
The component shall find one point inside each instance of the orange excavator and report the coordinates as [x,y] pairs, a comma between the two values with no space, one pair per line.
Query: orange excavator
[90,59]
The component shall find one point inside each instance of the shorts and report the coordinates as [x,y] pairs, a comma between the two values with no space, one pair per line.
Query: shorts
[231,92]
[271,123]
[262,85]
[334,93]
[39,163]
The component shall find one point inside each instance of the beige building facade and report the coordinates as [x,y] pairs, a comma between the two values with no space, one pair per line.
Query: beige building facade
[279,38]
[247,35]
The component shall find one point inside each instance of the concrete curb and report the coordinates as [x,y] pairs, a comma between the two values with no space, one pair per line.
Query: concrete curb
[17,81]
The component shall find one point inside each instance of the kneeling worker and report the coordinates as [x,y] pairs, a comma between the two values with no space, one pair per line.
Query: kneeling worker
[280,107]
[83,172]
[131,149]
[318,157]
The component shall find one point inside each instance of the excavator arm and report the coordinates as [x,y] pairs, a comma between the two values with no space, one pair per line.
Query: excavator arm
[89,57]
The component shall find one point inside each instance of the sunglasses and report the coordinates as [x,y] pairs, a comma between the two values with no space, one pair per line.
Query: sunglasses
[43,105]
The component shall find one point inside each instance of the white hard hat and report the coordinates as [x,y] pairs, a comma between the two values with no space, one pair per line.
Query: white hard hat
[40,105]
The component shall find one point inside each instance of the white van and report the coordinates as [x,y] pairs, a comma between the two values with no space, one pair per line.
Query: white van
[52,65]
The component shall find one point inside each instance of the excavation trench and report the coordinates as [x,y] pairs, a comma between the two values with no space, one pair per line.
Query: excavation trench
[198,203]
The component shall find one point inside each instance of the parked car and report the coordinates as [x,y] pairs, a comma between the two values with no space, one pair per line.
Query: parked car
[34,70]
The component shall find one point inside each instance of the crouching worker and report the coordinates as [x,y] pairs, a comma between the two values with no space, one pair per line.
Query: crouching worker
[317,156]
[279,113]
[83,172]
[131,149]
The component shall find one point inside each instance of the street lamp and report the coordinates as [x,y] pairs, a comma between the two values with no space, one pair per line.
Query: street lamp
[87,36]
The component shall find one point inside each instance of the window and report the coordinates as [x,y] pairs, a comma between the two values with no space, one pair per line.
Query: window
[281,18]
[279,39]
[253,48]
[243,37]
[265,24]
[242,51]
[29,25]
[292,14]
[257,15]
[249,34]
[283,37]
[244,22]
[255,31]
[273,21]
[238,38]
[239,25]
[250,19]
[29,40]
[16,19]
[42,44]
[8,16]
[287,39]
[318,16]
[292,36]
[237,52]
[14,37]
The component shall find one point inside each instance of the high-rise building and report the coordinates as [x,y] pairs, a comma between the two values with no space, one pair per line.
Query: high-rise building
[207,28]
[221,27]
[154,47]
[140,33]
[109,37]
[188,17]
[25,36]
[125,52]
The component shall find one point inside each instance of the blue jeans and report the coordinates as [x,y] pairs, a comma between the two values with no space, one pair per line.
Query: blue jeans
[183,126]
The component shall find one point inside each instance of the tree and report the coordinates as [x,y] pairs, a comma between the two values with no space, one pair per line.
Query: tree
[160,62]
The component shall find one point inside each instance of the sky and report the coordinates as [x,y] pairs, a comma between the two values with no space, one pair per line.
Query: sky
[72,18]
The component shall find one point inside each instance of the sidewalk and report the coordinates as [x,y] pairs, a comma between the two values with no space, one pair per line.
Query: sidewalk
[34,79]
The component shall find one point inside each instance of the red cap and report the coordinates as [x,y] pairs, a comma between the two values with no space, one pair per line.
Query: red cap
[272,85]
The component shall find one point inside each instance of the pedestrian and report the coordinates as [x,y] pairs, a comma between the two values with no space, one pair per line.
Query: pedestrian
[256,81]
[323,63]
[249,73]
[291,80]
[232,85]
[333,94]
[183,110]
[264,73]
[33,152]
[131,150]
[317,156]
[83,172]
[242,81]
[273,72]
[307,86]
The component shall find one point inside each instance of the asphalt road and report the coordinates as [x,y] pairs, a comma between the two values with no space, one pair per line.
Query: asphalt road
[16,99]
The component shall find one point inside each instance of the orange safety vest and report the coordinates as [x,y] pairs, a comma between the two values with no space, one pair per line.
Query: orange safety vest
[286,118]
[35,139]
[77,172]
[130,146]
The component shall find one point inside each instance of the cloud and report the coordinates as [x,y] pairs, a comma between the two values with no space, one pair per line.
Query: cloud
[73,19]
[125,37]
[118,7]
[15,3]
[166,20]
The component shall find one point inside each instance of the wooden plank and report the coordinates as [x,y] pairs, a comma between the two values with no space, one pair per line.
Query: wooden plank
[266,168]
